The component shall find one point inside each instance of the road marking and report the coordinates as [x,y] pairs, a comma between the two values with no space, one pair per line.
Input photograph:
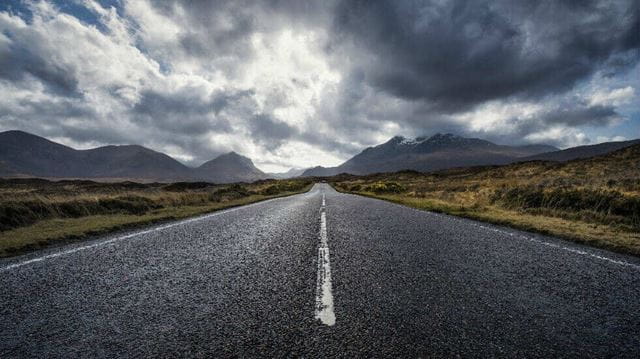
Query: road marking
[324,295]
[113,240]
[554,245]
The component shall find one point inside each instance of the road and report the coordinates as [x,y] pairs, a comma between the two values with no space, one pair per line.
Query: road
[355,277]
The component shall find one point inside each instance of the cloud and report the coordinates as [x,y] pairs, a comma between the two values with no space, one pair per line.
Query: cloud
[454,55]
[21,57]
[556,135]
[296,83]
[614,97]
[270,132]
[597,115]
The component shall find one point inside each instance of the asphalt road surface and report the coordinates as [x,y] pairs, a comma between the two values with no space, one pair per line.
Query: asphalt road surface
[355,277]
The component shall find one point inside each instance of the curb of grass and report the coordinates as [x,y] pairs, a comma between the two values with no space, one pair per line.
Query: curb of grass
[60,241]
[596,243]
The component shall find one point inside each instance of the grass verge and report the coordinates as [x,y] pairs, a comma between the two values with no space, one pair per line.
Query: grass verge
[597,235]
[595,201]
[55,229]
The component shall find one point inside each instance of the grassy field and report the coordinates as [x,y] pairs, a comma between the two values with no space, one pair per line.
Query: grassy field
[37,213]
[594,201]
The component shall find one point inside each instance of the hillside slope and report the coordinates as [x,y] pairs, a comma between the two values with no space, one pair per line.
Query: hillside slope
[440,151]
[229,167]
[581,151]
[26,155]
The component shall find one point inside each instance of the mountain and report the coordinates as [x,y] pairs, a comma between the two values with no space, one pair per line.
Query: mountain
[581,151]
[227,168]
[132,161]
[438,152]
[292,173]
[25,154]
[320,171]
[22,153]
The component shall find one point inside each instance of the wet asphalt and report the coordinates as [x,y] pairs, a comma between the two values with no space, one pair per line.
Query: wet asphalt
[242,283]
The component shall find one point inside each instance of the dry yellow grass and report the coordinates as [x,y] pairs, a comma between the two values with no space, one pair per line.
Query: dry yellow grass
[53,223]
[594,201]
[598,235]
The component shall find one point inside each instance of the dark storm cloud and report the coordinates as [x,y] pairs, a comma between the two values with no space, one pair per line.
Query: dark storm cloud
[62,107]
[581,114]
[94,133]
[333,145]
[182,112]
[270,132]
[62,120]
[184,118]
[233,39]
[187,102]
[598,115]
[18,60]
[458,54]
[45,115]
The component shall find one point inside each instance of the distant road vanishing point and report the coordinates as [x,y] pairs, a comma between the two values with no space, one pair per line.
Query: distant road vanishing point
[321,274]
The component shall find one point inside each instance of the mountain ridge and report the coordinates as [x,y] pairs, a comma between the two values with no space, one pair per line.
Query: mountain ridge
[229,167]
[440,151]
[26,154]
[291,173]
[580,152]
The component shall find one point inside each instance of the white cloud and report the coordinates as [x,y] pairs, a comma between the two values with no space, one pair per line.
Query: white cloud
[601,139]
[570,137]
[501,117]
[615,97]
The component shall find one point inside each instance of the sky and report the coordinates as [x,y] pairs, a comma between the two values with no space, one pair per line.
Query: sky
[295,83]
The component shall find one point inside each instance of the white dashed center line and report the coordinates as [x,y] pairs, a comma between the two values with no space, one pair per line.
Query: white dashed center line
[324,295]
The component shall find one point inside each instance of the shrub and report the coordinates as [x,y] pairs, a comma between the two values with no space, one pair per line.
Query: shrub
[608,202]
[126,204]
[385,187]
[284,186]
[21,213]
[272,190]
[234,191]
[184,186]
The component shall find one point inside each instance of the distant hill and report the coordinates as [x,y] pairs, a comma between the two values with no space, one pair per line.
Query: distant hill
[227,168]
[132,161]
[292,173]
[27,155]
[320,171]
[579,152]
[438,152]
